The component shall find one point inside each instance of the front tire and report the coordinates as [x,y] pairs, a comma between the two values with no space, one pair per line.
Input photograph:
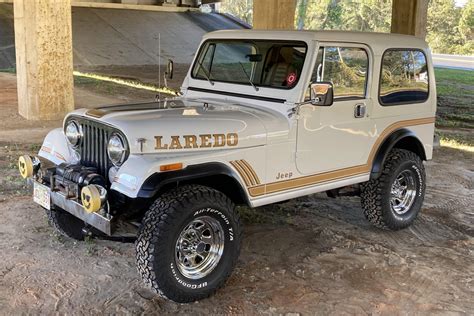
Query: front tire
[394,199]
[188,243]
[66,224]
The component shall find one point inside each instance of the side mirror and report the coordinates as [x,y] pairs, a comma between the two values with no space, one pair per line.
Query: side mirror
[322,93]
[169,69]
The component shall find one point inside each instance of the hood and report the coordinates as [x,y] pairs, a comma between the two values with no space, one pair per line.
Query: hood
[183,125]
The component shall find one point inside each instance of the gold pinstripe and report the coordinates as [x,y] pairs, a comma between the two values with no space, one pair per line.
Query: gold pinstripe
[242,173]
[337,174]
[251,170]
[246,172]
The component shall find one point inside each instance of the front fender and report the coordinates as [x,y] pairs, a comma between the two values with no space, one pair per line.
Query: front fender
[57,149]
[199,171]
[140,176]
[131,175]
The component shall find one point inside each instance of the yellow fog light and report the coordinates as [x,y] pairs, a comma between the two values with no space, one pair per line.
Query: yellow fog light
[93,197]
[25,165]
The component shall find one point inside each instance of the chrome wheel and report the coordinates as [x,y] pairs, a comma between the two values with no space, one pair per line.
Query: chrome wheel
[199,247]
[403,192]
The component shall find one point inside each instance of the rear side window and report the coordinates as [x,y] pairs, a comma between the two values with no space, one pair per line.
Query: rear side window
[404,77]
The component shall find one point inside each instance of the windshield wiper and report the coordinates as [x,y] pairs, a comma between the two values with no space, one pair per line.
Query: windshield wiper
[248,77]
[204,71]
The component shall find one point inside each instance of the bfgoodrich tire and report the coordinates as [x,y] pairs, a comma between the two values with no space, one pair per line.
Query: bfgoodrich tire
[188,243]
[66,224]
[394,199]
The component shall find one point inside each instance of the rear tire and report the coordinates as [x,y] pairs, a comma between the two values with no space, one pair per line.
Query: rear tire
[66,224]
[188,243]
[394,199]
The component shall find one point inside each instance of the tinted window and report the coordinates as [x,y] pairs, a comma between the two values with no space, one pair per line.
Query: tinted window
[404,77]
[345,67]
[264,63]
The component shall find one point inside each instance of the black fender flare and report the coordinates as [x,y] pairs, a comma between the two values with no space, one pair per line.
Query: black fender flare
[157,181]
[388,143]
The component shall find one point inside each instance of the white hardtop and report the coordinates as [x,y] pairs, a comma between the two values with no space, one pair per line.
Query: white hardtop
[378,41]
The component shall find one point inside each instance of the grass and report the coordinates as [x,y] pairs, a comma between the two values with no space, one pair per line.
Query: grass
[455,113]
[455,89]
[454,76]
[11,183]
[8,70]
[91,247]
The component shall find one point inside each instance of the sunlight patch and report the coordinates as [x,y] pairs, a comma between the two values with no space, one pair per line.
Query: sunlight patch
[128,83]
[451,143]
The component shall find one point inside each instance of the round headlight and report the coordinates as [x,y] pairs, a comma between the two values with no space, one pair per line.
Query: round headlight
[117,150]
[73,133]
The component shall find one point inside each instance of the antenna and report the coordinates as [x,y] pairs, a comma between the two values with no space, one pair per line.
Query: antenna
[159,66]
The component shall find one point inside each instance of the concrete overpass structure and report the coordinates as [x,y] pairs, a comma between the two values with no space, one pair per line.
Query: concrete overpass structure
[44,52]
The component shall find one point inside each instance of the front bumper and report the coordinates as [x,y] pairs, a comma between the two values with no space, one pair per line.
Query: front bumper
[59,187]
[72,206]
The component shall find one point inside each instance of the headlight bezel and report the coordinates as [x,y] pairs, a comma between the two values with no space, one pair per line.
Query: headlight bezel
[124,151]
[79,133]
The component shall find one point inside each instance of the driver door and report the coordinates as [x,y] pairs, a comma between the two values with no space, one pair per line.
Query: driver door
[337,137]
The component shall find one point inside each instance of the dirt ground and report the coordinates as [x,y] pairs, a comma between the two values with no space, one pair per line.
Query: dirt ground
[312,255]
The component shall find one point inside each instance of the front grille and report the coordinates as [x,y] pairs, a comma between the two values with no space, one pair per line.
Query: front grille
[93,147]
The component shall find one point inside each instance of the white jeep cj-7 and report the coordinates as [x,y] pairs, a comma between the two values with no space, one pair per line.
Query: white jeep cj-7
[263,117]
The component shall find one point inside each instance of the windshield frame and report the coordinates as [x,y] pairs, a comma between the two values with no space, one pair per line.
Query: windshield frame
[286,43]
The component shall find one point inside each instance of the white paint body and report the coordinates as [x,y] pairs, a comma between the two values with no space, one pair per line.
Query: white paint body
[315,145]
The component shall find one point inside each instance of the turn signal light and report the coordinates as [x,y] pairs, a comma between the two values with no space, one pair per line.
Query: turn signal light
[171,167]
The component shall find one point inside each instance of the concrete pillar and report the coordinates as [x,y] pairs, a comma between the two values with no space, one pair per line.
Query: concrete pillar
[409,17]
[43,43]
[274,14]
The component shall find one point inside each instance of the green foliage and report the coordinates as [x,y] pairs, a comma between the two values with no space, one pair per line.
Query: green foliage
[466,29]
[466,23]
[443,27]
[243,9]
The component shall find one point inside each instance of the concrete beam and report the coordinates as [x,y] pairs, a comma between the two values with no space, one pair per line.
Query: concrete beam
[409,17]
[274,14]
[125,6]
[43,42]
[142,5]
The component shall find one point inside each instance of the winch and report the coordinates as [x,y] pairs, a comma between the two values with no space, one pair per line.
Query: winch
[80,175]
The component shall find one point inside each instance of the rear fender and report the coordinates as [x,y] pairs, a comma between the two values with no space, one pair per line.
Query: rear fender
[402,138]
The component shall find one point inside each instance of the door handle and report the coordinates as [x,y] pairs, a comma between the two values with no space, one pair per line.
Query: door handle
[359,110]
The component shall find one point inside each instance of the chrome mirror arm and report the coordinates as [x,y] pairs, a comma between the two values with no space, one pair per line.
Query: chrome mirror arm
[295,107]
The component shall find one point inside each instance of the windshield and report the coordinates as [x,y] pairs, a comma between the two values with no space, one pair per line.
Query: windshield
[260,63]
